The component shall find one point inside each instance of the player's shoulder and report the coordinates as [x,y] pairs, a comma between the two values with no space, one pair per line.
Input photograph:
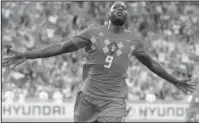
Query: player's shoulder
[90,30]
[95,27]
[134,34]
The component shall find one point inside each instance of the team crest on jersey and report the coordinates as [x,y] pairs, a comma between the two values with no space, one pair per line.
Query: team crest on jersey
[112,48]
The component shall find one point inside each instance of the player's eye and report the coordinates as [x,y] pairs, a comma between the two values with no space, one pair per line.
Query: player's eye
[115,7]
[123,7]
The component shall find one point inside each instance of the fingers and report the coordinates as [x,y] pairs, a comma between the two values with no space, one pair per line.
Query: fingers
[182,89]
[189,89]
[186,89]
[6,60]
[14,51]
[192,89]
[17,64]
[192,84]
[10,65]
[187,86]
[11,61]
[7,63]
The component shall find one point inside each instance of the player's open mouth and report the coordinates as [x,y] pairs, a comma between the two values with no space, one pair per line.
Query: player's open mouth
[119,13]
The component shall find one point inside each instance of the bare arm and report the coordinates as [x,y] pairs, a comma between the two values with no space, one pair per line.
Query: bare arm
[73,44]
[185,85]
[155,67]
[141,54]
[56,49]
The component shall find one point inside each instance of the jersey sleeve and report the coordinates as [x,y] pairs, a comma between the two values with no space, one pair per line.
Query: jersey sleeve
[139,47]
[82,39]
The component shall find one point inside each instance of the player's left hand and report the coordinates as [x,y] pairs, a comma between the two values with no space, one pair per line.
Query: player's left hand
[186,86]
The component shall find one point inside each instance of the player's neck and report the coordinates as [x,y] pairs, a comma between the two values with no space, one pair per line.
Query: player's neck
[116,29]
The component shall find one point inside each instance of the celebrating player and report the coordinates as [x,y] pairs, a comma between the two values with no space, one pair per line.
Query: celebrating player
[102,97]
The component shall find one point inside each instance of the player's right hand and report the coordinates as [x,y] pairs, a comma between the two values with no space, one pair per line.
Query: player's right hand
[13,61]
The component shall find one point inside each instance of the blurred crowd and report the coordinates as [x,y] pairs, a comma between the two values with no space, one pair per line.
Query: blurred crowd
[170,31]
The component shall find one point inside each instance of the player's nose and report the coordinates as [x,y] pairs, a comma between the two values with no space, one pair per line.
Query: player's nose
[120,8]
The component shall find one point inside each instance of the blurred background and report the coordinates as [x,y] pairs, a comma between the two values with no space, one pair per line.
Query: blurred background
[170,31]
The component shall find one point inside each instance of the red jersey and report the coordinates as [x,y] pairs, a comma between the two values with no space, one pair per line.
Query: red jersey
[108,57]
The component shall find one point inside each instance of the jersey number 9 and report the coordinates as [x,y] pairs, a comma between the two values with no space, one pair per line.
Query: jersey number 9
[109,60]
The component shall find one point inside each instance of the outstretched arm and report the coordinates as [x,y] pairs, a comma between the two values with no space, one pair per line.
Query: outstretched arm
[141,54]
[155,67]
[77,42]
[56,49]
[71,45]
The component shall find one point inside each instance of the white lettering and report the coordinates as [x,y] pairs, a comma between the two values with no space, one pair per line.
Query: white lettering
[109,60]
[16,109]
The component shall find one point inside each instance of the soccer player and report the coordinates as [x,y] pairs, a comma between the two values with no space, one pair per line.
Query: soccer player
[102,96]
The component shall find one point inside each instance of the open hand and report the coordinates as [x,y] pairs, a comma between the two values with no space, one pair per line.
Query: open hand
[186,86]
[13,61]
